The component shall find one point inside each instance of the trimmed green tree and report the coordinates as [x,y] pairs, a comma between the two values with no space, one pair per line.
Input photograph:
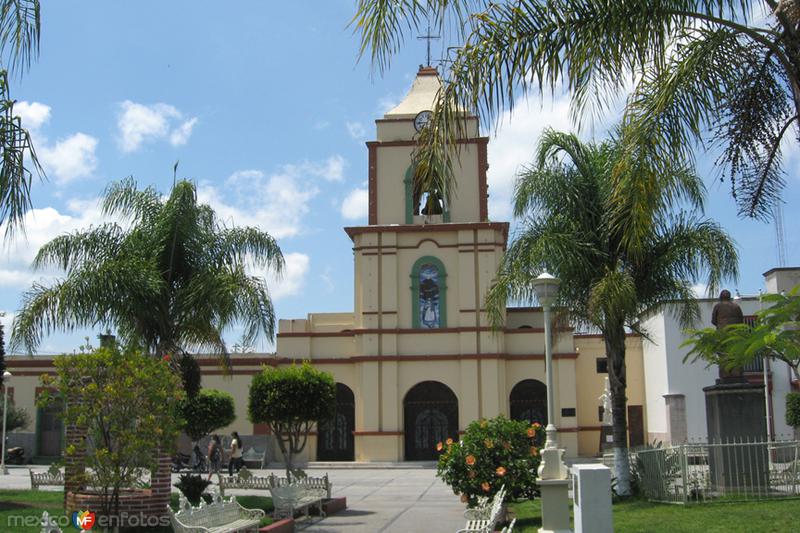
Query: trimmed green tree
[127,402]
[206,412]
[793,410]
[290,400]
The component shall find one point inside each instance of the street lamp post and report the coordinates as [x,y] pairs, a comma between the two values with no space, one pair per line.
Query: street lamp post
[553,482]
[6,379]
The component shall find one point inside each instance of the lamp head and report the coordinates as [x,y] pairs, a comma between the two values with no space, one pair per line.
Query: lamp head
[546,288]
[6,376]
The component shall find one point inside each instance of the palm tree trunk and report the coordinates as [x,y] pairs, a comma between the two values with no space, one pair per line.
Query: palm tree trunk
[614,337]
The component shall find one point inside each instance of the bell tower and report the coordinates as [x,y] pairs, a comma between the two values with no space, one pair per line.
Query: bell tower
[392,198]
[421,264]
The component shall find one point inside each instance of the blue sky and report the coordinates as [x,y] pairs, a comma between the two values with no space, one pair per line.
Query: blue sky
[267,108]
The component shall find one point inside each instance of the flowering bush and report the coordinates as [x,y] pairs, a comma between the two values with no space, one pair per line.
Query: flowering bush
[492,453]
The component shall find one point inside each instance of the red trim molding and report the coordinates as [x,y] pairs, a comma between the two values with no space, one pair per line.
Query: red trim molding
[352,231]
[373,183]
[483,187]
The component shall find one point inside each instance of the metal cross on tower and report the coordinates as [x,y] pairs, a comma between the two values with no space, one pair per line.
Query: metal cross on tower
[429,38]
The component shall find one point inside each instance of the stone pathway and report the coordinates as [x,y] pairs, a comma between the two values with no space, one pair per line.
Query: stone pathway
[388,500]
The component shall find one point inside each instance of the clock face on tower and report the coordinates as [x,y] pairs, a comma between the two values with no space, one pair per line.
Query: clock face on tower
[421,120]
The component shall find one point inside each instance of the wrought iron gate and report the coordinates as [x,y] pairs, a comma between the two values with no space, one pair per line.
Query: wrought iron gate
[431,416]
[528,401]
[335,441]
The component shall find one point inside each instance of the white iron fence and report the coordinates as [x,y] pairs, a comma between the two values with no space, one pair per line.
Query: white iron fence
[703,472]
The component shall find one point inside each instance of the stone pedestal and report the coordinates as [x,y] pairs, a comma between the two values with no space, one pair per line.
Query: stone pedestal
[735,414]
[555,505]
[591,494]
[606,438]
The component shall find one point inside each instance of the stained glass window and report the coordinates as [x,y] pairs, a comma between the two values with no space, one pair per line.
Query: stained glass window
[429,307]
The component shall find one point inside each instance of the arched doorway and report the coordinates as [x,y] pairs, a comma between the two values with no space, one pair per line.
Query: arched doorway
[528,401]
[430,416]
[335,441]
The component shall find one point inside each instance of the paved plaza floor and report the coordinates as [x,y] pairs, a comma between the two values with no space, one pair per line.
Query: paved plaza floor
[378,500]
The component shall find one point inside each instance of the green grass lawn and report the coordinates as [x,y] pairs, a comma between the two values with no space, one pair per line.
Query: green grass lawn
[638,516]
[19,505]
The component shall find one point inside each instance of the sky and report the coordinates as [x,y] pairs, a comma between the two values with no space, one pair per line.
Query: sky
[266,108]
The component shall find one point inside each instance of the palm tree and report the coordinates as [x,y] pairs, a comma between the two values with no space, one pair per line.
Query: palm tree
[574,224]
[703,71]
[172,279]
[19,43]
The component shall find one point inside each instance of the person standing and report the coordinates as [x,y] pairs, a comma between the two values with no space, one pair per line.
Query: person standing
[236,453]
[214,455]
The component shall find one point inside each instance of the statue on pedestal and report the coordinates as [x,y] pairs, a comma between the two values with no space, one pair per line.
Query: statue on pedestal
[725,313]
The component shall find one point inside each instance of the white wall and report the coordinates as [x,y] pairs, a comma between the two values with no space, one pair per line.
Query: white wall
[666,373]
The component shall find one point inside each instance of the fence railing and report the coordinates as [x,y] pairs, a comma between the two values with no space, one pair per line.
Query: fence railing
[732,471]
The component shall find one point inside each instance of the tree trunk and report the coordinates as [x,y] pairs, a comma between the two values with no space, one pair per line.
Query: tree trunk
[614,337]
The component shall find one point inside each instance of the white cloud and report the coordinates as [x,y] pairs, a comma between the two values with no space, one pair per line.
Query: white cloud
[180,135]
[33,114]
[387,103]
[332,169]
[70,158]
[356,130]
[293,279]
[514,144]
[275,203]
[41,226]
[355,206]
[140,123]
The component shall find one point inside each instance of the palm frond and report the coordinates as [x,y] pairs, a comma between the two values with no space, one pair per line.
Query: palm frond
[20,25]
[19,163]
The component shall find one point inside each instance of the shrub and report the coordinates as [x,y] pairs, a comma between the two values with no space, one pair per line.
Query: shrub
[793,409]
[205,412]
[192,486]
[127,401]
[289,400]
[492,453]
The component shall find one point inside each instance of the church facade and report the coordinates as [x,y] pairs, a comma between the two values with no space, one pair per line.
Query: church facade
[416,361]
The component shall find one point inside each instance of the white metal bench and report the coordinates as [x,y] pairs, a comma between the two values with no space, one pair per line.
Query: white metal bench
[219,516]
[48,524]
[246,480]
[484,507]
[301,494]
[510,527]
[53,477]
[483,520]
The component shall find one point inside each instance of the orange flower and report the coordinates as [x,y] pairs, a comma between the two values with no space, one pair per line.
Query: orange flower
[488,443]
[470,460]
[485,486]
[534,451]
[166,357]
[500,471]
[531,432]
[439,447]
[449,442]
[536,425]
[464,498]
